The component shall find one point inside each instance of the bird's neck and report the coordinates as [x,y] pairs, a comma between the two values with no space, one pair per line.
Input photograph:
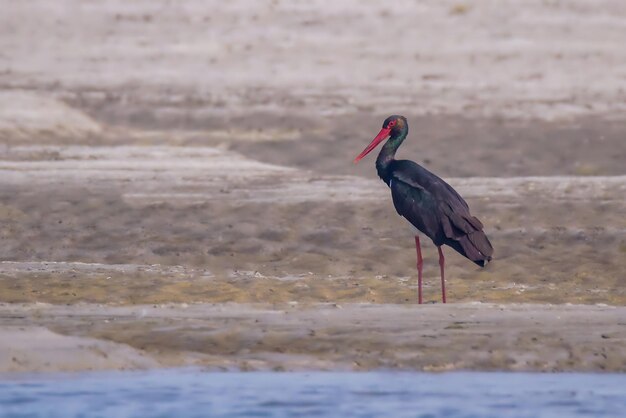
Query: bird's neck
[388,153]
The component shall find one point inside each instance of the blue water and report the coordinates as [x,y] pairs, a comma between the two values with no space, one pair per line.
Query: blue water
[193,393]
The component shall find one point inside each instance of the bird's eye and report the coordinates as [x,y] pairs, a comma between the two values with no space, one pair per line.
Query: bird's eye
[392,124]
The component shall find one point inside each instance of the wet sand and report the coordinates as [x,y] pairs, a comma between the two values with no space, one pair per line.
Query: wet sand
[349,336]
[161,204]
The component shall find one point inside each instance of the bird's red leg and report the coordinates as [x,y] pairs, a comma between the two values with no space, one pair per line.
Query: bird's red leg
[419,269]
[442,262]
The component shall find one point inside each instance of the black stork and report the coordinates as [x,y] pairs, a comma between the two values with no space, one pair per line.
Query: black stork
[430,204]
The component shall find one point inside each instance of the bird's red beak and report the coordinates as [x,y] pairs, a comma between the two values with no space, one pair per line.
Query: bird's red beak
[382,135]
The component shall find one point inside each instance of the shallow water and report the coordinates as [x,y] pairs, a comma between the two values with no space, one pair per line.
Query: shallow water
[193,393]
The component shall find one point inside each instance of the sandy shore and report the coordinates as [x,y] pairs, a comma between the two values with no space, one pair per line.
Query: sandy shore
[471,336]
[176,188]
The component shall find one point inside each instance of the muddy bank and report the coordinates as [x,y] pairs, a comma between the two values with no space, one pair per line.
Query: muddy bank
[54,352]
[557,239]
[348,336]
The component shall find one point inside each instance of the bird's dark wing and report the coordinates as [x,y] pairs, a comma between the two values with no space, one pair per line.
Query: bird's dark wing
[416,205]
[417,176]
[436,209]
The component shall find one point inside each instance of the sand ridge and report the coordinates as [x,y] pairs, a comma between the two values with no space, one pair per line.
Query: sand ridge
[331,336]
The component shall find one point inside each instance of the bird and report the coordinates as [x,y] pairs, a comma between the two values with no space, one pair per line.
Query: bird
[430,204]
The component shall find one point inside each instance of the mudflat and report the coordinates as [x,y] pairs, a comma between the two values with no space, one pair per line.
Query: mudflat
[351,336]
[177,188]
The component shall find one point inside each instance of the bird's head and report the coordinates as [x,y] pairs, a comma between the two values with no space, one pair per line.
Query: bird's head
[393,126]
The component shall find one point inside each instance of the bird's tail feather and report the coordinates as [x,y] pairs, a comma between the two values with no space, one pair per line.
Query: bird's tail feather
[475,246]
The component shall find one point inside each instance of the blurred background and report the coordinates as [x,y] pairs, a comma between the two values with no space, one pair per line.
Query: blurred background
[166,143]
